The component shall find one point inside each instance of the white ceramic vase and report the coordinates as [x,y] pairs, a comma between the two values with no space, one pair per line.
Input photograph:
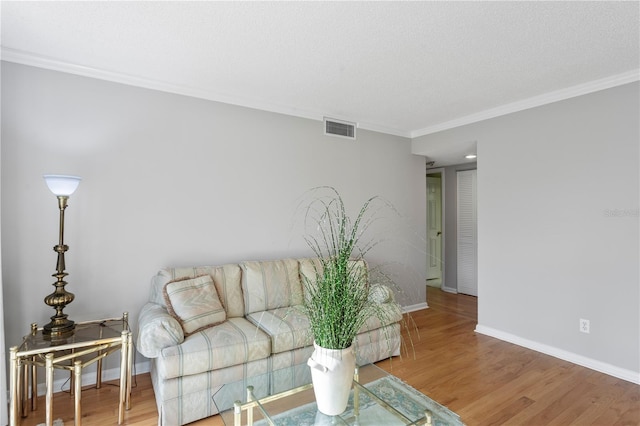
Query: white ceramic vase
[332,375]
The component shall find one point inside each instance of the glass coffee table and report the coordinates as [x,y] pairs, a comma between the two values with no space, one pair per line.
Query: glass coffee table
[377,398]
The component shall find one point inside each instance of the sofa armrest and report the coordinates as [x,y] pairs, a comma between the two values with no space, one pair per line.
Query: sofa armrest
[383,308]
[381,293]
[157,330]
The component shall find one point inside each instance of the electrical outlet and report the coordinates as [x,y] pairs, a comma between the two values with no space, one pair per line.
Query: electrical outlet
[585,326]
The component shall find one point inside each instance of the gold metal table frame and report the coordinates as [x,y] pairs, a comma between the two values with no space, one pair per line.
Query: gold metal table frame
[258,403]
[90,343]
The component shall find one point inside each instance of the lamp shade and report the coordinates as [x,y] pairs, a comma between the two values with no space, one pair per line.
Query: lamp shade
[62,185]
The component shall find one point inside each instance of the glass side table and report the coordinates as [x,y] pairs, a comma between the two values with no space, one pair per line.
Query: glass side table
[90,343]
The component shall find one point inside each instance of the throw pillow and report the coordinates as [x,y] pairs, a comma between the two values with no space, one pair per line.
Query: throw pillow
[380,293]
[194,302]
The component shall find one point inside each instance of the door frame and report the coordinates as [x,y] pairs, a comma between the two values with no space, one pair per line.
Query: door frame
[441,171]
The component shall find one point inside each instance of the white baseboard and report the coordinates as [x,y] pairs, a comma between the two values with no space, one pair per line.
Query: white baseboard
[449,290]
[89,378]
[602,367]
[416,307]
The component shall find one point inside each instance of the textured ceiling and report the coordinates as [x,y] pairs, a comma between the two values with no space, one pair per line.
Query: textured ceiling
[406,68]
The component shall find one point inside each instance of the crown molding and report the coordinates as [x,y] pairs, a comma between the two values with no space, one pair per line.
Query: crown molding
[30,59]
[26,58]
[547,98]
[39,61]
[385,130]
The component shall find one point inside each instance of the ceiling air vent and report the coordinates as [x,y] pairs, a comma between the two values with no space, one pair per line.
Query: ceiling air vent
[340,128]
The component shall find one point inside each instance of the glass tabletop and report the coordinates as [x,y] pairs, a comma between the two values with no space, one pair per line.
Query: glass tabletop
[85,333]
[376,398]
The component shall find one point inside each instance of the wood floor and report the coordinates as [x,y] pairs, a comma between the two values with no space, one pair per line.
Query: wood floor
[484,380]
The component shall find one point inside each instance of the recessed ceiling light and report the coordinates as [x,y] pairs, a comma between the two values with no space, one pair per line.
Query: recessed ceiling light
[470,156]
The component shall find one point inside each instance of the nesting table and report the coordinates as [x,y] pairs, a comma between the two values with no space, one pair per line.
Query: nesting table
[90,343]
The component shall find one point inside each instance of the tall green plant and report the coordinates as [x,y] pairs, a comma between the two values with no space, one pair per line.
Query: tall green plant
[337,300]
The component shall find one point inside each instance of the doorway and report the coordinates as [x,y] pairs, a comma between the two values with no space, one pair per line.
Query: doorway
[435,227]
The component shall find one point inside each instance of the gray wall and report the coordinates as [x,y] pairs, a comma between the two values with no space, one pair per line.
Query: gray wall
[558,227]
[172,180]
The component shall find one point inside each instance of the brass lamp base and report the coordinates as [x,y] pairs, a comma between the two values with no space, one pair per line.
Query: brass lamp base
[59,327]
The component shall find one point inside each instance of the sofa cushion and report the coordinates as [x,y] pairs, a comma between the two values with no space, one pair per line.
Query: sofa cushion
[225,277]
[270,285]
[309,269]
[235,341]
[194,303]
[288,328]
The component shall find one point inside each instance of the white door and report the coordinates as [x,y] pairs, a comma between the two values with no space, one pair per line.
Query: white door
[467,237]
[434,229]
